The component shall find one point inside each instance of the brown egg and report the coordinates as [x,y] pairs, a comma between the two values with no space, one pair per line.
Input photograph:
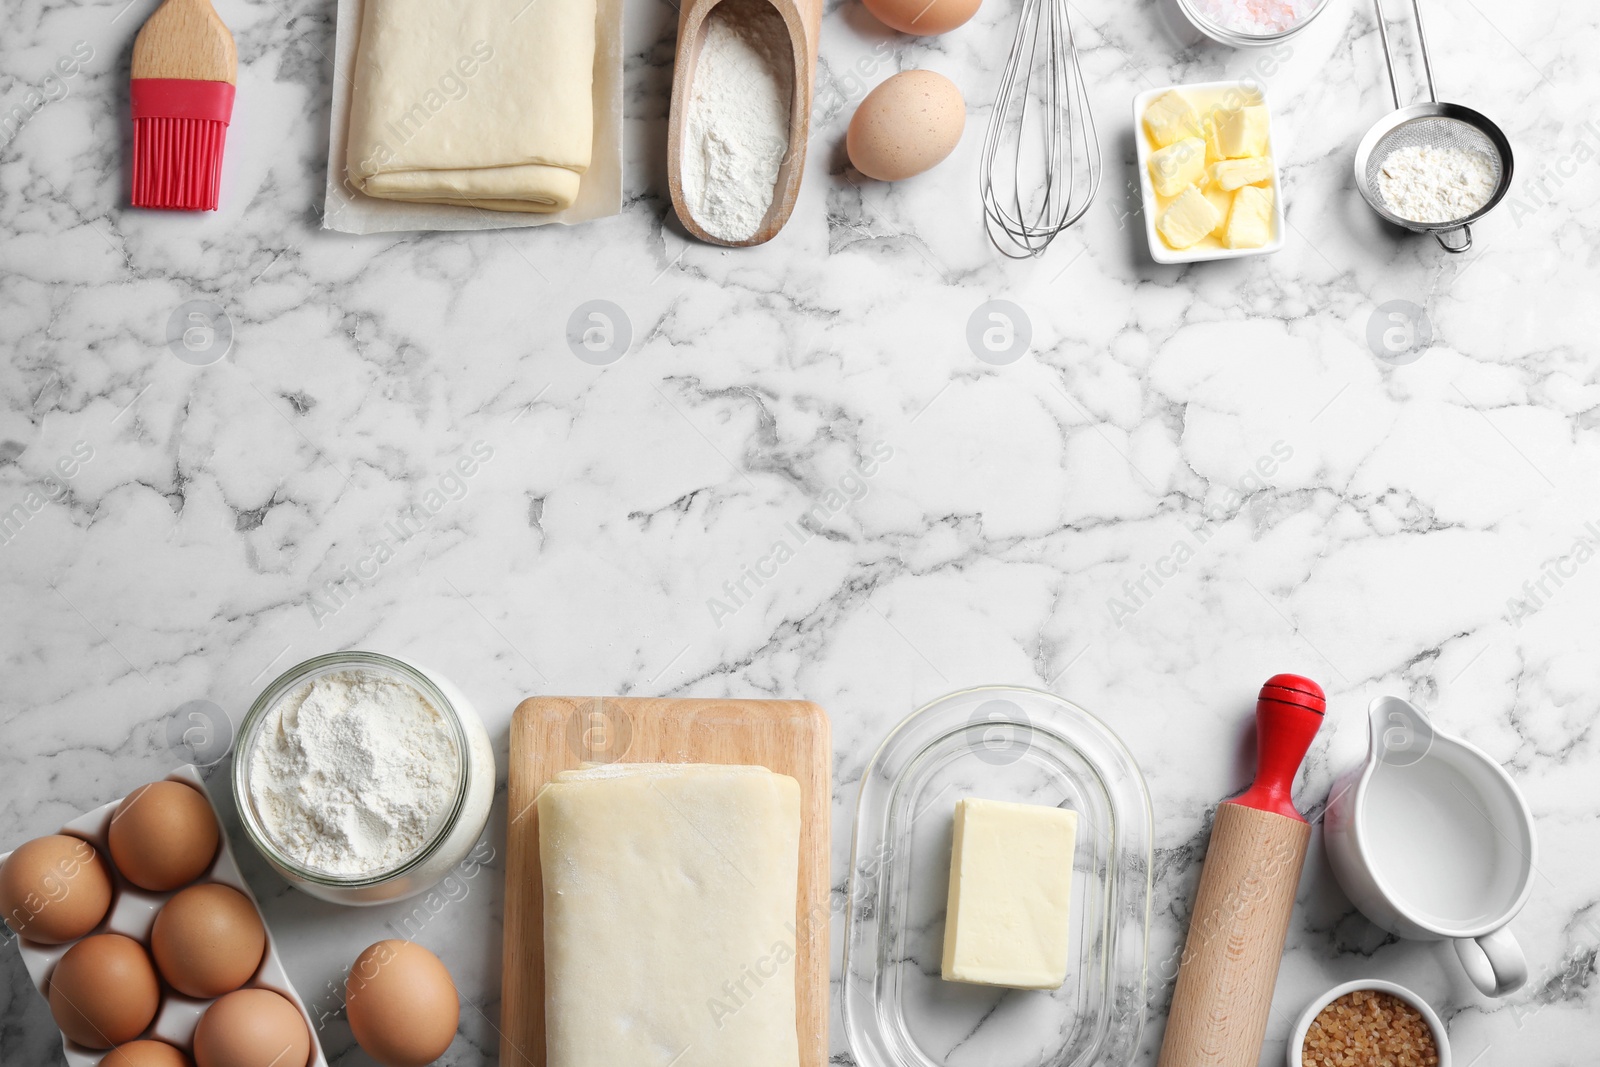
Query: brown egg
[146,1054]
[55,889]
[163,835]
[252,1028]
[922,17]
[208,940]
[402,1004]
[104,991]
[906,125]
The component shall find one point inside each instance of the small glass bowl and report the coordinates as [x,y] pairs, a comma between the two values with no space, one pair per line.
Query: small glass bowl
[1237,38]
[1297,1038]
[455,830]
[1001,743]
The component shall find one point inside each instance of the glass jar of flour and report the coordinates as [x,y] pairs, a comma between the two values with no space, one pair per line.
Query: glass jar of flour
[363,779]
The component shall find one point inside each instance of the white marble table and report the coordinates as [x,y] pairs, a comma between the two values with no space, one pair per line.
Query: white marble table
[1366,521]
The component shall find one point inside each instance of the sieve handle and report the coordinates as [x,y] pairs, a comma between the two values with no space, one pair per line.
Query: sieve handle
[1422,46]
[1466,239]
[1388,53]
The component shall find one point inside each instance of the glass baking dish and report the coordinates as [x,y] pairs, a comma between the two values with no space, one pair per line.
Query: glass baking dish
[1000,743]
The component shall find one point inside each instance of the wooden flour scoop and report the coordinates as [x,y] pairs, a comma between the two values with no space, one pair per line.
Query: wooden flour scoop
[803,20]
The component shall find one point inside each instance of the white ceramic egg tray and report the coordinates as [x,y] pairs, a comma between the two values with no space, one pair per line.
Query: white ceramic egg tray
[133,913]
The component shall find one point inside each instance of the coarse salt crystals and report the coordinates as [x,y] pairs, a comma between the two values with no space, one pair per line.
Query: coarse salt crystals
[1257,18]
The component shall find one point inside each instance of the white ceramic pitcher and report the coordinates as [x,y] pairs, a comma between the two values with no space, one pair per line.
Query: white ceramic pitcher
[1432,840]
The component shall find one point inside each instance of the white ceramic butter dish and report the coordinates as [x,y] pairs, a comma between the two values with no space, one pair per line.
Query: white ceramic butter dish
[1203,95]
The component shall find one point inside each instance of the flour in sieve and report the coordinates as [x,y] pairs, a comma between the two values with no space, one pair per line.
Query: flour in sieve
[352,771]
[737,130]
[1427,184]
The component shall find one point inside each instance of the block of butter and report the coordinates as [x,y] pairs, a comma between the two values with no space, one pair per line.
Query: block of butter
[1213,149]
[1009,912]
[1222,201]
[1179,164]
[1230,174]
[1242,131]
[1191,218]
[1250,218]
[1171,118]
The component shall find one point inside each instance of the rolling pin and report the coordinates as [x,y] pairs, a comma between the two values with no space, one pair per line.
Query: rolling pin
[1241,914]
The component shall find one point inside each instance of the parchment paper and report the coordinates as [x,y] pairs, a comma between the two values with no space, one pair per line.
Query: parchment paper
[600,194]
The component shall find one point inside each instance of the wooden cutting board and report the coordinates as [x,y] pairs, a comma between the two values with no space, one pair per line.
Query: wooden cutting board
[554,734]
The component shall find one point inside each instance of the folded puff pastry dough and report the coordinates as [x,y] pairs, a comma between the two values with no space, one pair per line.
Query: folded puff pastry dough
[486,102]
[669,916]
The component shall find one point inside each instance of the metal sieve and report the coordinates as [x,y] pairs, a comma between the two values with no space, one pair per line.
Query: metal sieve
[1435,124]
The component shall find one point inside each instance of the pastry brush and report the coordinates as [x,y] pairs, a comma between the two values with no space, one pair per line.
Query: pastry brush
[184,68]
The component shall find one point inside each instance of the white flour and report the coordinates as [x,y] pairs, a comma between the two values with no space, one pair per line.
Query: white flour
[351,772]
[737,130]
[1427,184]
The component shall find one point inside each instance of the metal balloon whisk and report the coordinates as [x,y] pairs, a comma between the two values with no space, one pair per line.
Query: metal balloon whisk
[1041,156]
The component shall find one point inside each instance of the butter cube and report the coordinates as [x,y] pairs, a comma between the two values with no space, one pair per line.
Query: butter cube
[1222,200]
[1232,173]
[1242,131]
[1010,894]
[1250,220]
[1213,149]
[1170,118]
[1189,219]
[1177,165]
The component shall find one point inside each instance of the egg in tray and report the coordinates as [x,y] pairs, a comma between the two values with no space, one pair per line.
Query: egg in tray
[137,927]
[1210,183]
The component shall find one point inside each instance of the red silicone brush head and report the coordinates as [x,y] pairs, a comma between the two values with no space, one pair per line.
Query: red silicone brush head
[1288,713]
[179,129]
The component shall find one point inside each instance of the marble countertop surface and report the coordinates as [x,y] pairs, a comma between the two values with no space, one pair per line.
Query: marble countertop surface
[1148,489]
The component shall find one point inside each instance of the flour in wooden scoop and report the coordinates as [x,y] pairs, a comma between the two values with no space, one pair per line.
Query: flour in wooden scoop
[737,131]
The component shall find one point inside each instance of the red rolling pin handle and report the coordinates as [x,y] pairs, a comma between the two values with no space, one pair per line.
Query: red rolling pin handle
[1288,714]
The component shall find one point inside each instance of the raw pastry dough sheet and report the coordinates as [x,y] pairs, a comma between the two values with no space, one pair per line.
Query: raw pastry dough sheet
[669,896]
[599,195]
[552,735]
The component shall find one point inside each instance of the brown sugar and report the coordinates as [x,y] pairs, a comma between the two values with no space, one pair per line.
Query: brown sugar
[1367,1028]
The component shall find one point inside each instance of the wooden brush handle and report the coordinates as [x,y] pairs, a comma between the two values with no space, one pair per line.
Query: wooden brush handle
[1236,935]
[186,39]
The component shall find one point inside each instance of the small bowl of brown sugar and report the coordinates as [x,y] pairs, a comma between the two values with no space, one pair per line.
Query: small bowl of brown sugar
[1369,1023]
